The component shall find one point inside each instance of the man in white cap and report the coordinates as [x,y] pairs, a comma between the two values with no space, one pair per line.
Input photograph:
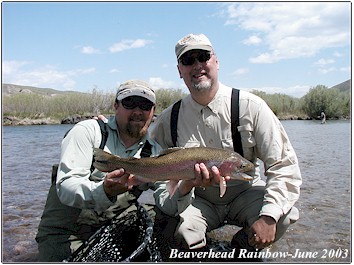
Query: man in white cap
[81,200]
[264,210]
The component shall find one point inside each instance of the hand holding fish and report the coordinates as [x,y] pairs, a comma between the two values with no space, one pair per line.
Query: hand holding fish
[203,178]
[117,182]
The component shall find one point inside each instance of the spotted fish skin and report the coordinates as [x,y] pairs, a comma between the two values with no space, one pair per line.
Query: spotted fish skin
[177,164]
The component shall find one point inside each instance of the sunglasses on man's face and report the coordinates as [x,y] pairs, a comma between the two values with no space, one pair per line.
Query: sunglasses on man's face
[135,101]
[202,57]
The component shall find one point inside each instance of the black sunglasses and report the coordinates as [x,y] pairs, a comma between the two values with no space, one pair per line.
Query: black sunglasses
[136,101]
[202,57]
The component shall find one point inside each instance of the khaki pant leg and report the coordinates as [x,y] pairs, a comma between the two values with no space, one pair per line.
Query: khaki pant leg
[285,221]
[200,217]
[187,231]
[245,209]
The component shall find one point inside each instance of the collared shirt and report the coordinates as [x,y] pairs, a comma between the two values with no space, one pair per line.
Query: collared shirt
[263,137]
[75,185]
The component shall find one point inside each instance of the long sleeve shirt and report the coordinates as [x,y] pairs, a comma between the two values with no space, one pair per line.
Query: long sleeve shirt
[76,185]
[263,138]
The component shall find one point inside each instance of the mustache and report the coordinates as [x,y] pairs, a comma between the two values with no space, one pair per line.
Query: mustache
[136,117]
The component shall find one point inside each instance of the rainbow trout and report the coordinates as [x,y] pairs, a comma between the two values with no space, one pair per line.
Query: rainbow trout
[176,164]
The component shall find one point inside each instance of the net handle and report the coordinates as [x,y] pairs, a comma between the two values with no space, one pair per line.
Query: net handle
[148,233]
[147,238]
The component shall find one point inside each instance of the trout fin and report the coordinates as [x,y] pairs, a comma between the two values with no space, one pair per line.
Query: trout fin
[222,187]
[97,152]
[171,187]
[170,150]
[100,159]
[241,176]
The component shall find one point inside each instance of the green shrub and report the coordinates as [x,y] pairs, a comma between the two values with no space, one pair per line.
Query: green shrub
[166,97]
[334,103]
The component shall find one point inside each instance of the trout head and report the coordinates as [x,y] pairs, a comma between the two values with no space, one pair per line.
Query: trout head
[236,166]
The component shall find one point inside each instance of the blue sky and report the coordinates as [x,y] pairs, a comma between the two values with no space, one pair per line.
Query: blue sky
[276,47]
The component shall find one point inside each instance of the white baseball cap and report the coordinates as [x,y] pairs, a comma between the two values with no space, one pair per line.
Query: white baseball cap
[192,42]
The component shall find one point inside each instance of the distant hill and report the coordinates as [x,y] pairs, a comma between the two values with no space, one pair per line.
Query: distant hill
[343,87]
[10,89]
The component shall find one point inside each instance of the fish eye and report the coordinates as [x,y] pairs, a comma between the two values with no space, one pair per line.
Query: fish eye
[244,165]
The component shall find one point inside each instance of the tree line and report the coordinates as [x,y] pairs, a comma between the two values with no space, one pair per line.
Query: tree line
[335,103]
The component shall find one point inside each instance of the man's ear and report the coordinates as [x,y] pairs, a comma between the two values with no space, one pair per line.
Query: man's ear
[115,105]
[180,76]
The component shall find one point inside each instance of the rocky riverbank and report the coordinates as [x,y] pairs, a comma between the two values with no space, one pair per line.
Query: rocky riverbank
[73,119]
[14,121]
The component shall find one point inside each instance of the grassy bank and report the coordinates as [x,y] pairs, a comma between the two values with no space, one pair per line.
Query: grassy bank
[32,108]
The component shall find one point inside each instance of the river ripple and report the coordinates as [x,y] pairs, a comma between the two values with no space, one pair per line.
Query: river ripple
[324,153]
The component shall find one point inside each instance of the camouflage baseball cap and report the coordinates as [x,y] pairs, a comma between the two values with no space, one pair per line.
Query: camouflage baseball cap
[136,88]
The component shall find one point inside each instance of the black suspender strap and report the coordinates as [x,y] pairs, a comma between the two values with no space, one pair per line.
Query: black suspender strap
[235,121]
[104,133]
[146,151]
[174,121]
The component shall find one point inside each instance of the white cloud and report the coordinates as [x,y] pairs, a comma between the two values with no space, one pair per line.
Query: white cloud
[129,44]
[295,91]
[323,66]
[263,58]
[345,69]
[241,71]
[252,40]
[322,62]
[11,67]
[293,29]
[337,54]
[89,50]
[158,82]
[326,70]
[47,76]
[114,70]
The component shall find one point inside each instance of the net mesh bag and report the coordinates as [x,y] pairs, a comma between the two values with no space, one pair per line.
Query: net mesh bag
[126,238]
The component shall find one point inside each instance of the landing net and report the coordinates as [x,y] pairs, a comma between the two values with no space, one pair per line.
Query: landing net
[125,239]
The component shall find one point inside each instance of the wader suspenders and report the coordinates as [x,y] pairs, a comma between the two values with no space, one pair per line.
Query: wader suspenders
[235,121]
[104,133]
[174,121]
[145,152]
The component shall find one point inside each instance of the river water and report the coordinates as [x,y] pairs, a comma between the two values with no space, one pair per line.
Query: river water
[322,234]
